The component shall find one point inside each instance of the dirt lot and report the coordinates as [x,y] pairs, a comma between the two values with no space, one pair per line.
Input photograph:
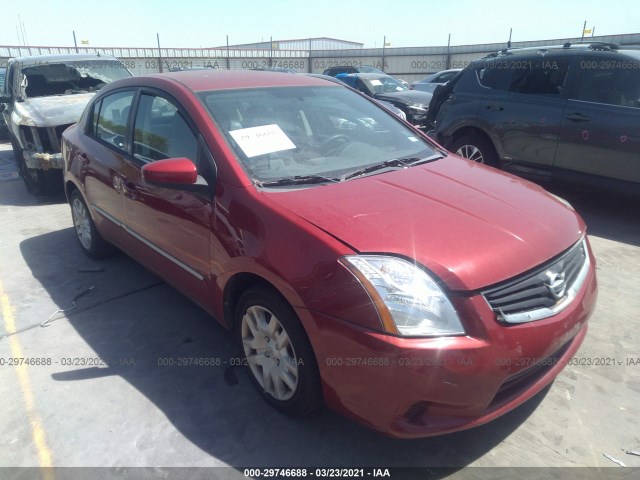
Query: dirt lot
[102,396]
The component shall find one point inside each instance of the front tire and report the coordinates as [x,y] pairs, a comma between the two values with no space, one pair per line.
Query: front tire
[38,182]
[91,242]
[475,148]
[278,353]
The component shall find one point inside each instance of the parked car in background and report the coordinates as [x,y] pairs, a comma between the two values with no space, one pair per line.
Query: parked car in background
[342,69]
[386,88]
[3,124]
[277,69]
[430,83]
[42,96]
[340,245]
[566,112]
[333,71]
[393,109]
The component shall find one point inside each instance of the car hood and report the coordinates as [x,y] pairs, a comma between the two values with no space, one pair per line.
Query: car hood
[408,97]
[52,111]
[471,225]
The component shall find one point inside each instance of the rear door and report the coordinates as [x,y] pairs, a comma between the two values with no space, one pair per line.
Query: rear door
[101,159]
[172,225]
[601,125]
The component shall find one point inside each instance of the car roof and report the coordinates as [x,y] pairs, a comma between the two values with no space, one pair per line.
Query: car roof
[568,49]
[369,76]
[206,80]
[428,78]
[41,59]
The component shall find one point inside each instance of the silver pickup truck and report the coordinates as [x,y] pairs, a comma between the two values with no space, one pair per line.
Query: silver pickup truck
[41,97]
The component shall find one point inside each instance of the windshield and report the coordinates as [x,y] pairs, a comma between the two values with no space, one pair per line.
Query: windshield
[67,78]
[385,84]
[325,133]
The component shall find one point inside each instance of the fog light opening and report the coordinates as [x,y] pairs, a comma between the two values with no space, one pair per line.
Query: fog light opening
[415,414]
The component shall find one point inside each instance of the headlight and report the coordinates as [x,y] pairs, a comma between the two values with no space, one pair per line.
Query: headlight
[409,302]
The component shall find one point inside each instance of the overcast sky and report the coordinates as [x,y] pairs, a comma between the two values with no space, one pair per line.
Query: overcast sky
[406,23]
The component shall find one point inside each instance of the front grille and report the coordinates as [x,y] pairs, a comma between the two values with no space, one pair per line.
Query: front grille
[51,137]
[59,130]
[541,293]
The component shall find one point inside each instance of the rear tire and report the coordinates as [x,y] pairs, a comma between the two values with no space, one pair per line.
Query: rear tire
[277,352]
[91,242]
[475,148]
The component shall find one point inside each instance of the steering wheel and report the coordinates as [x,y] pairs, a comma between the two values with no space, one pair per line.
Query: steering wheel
[335,143]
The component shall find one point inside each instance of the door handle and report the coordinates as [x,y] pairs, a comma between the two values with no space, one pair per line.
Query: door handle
[578,117]
[83,158]
[494,108]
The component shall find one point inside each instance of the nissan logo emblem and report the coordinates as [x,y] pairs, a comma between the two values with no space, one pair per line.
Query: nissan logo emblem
[556,283]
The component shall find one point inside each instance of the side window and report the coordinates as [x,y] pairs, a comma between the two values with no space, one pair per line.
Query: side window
[161,132]
[110,116]
[609,82]
[493,76]
[445,77]
[8,81]
[539,77]
[532,77]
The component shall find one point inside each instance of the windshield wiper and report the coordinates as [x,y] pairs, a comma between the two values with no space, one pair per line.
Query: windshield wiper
[418,160]
[405,162]
[297,180]
[395,162]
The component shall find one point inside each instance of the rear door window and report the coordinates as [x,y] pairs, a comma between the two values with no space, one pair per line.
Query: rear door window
[609,81]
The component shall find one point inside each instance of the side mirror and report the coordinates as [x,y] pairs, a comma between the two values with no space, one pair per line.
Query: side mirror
[178,173]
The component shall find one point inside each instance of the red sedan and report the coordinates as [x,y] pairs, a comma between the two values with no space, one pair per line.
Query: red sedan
[359,264]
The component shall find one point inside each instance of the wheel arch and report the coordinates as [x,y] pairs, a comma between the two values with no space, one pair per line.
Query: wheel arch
[474,131]
[69,187]
[240,283]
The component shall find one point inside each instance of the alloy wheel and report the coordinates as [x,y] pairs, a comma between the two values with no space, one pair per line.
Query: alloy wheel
[82,223]
[470,152]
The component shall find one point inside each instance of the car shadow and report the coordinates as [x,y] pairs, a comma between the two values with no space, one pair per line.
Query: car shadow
[14,190]
[151,336]
[15,195]
[607,215]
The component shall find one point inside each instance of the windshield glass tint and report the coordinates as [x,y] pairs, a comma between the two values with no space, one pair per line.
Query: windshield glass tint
[285,132]
[84,76]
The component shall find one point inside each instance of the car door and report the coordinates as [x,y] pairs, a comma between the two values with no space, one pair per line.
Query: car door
[528,120]
[101,156]
[172,225]
[601,125]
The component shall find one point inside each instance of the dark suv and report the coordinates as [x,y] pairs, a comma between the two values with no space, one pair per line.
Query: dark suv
[567,112]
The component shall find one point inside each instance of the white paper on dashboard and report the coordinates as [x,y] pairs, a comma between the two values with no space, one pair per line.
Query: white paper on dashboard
[260,140]
[376,82]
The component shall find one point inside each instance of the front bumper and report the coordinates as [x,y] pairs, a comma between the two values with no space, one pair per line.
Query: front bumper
[416,118]
[419,387]
[43,161]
